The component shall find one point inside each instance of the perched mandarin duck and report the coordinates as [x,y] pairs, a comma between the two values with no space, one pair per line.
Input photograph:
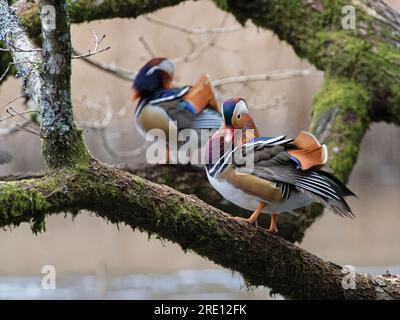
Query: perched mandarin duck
[284,175]
[5,157]
[161,106]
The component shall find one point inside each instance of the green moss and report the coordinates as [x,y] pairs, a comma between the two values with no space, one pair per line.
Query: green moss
[368,54]
[371,65]
[17,202]
[139,181]
[71,154]
[350,104]
[30,19]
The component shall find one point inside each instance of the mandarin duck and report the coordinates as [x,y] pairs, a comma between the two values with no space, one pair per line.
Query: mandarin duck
[5,157]
[160,106]
[283,175]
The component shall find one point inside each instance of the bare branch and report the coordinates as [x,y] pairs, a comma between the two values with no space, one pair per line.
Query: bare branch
[196,31]
[117,71]
[13,48]
[147,46]
[9,66]
[101,127]
[11,101]
[25,129]
[12,113]
[194,54]
[270,76]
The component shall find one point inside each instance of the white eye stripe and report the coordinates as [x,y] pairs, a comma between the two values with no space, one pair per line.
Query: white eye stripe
[241,107]
[165,65]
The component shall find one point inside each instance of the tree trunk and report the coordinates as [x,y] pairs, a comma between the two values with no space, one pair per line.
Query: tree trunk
[62,144]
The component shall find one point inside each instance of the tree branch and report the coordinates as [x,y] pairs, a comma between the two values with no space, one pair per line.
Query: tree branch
[367,55]
[26,60]
[196,31]
[122,73]
[263,259]
[81,182]
[89,10]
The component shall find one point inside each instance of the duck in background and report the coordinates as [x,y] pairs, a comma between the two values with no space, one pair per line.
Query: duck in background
[279,174]
[162,106]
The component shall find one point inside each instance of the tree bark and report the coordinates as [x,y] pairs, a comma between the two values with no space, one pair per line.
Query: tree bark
[263,259]
[62,144]
[79,183]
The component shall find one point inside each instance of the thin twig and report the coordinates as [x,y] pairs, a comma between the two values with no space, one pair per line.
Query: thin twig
[117,71]
[96,49]
[19,49]
[9,66]
[147,46]
[11,101]
[26,130]
[35,125]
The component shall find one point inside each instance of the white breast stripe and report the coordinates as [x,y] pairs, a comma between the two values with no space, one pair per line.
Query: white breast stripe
[270,141]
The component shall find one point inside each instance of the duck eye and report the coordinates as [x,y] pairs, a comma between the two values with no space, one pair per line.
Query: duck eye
[238,116]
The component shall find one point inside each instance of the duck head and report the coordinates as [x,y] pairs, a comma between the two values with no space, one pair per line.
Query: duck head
[236,116]
[156,74]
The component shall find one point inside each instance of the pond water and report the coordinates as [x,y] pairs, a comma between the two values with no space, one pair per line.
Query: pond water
[183,284]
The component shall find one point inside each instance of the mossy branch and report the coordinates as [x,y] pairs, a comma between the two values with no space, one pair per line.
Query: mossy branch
[263,259]
[367,55]
[339,119]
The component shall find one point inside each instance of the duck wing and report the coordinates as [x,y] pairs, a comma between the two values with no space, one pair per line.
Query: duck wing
[271,160]
[187,119]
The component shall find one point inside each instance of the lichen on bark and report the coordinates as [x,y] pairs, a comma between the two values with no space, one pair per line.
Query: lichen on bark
[62,143]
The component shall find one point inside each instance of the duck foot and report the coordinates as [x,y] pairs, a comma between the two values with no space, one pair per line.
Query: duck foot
[254,216]
[248,220]
[273,226]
